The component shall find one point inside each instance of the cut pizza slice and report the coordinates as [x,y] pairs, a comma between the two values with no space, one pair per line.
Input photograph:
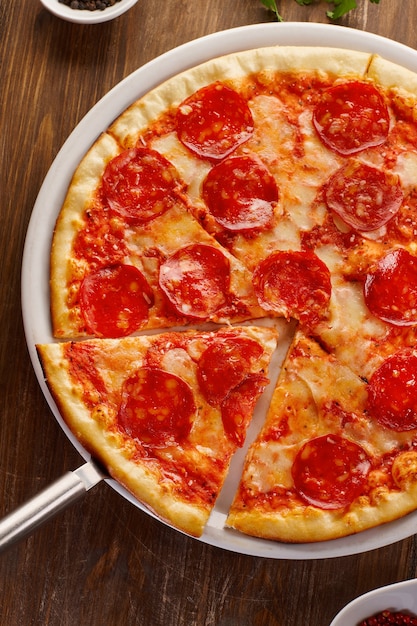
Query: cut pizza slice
[336,455]
[163,413]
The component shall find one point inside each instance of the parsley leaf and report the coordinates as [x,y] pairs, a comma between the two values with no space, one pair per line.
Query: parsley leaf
[341,7]
[272,6]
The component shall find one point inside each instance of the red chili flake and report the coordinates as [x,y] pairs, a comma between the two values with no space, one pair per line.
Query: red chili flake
[396,618]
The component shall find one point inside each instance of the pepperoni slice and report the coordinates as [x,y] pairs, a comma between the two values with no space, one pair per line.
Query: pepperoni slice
[364,197]
[330,471]
[237,408]
[351,117]
[140,184]
[296,284]
[156,407]
[392,392]
[391,289]
[224,365]
[214,121]
[240,194]
[196,280]
[115,301]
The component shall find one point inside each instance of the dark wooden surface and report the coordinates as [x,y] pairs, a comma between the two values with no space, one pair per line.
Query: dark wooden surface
[104,562]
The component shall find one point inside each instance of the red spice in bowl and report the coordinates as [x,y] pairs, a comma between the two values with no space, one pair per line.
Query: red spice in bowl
[398,618]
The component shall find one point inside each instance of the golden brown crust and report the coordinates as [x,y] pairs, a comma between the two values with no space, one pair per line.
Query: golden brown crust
[304,524]
[64,267]
[390,75]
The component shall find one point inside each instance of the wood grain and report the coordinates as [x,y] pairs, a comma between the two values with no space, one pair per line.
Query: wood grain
[104,562]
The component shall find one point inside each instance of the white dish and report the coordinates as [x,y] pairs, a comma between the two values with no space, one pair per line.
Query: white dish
[79,16]
[398,597]
[35,269]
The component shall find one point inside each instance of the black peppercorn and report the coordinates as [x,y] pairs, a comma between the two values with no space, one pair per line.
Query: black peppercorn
[89,5]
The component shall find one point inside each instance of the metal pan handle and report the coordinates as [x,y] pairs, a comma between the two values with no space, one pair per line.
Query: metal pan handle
[48,503]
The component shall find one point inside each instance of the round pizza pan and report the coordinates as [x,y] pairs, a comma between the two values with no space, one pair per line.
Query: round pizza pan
[35,266]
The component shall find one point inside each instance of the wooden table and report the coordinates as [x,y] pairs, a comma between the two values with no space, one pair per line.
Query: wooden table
[103,561]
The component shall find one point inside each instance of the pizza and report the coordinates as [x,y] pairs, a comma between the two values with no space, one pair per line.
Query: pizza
[269,189]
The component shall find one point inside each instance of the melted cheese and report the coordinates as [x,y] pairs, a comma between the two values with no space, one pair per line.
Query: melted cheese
[350,331]
[192,171]
[406,168]
[270,467]
[278,142]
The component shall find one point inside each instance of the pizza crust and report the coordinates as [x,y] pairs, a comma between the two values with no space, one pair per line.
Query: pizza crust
[84,184]
[392,76]
[304,524]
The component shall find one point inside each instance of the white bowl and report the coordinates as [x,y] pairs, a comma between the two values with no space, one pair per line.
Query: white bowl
[398,597]
[87,17]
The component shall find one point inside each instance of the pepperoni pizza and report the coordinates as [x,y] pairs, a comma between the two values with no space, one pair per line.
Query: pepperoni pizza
[272,184]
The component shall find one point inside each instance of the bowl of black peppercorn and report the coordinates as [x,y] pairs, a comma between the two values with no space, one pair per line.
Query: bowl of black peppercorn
[88,11]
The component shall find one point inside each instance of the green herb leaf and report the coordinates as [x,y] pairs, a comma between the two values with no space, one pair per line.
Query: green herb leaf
[272,6]
[341,7]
